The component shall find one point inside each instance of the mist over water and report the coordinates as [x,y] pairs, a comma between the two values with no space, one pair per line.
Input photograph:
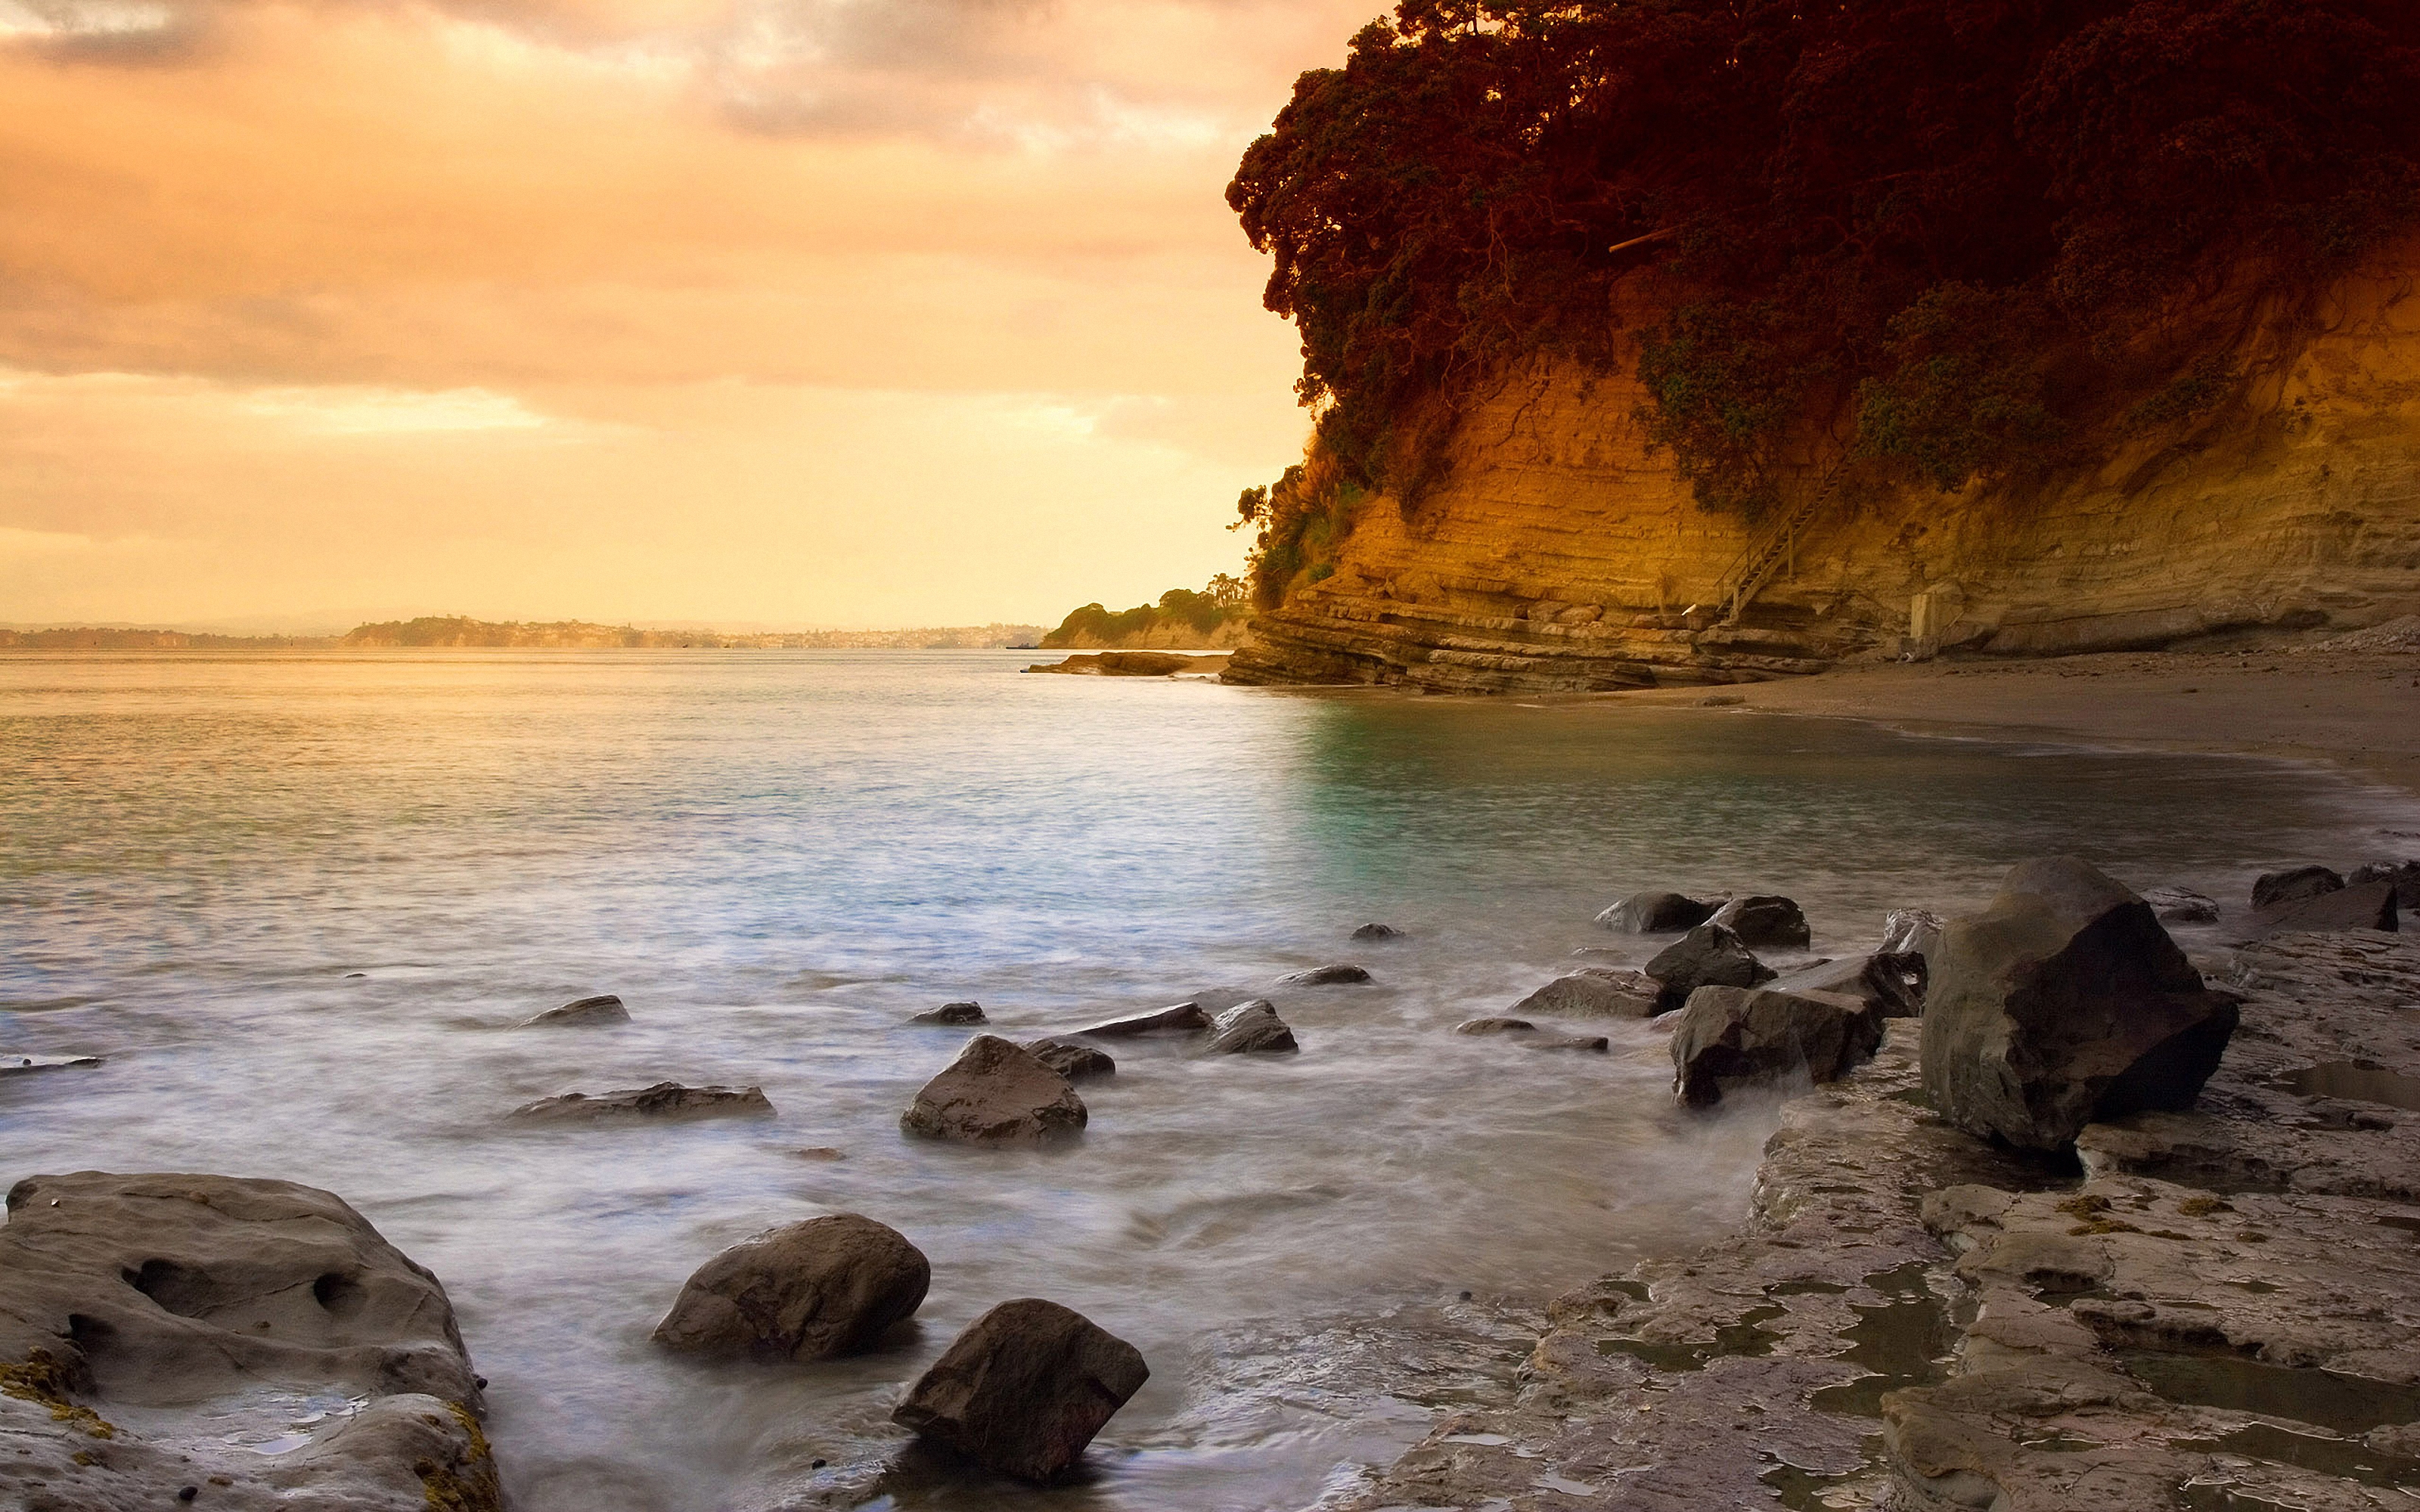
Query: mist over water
[775,858]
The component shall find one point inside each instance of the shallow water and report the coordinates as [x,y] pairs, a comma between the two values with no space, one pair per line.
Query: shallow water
[776,857]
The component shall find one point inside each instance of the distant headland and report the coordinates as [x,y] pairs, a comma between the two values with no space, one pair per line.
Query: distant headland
[459,631]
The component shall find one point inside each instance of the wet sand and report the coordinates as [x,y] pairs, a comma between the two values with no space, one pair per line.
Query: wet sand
[2360,711]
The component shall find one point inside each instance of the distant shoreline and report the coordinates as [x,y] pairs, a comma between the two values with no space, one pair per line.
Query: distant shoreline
[458,633]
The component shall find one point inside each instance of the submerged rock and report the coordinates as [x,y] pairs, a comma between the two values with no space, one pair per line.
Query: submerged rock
[1076,1062]
[1250,1028]
[1185,1018]
[1594,992]
[1732,1035]
[1707,956]
[582,1013]
[665,1100]
[2180,905]
[1892,985]
[212,1304]
[2273,888]
[956,1016]
[1024,1388]
[24,1065]
[1377,932]
[827,1286]
[995,1094]
[1911,932]
[1324,977]
[1495,1026]
[1764,923]
[2063,1002]
[1585,1043]
[2371,905]
[1656,913]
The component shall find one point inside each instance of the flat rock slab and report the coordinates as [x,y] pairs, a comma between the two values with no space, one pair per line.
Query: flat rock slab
[995,1093]
[806,1292]
[1183,1018]
[29,1065]
[2371,905]
[1025,1388]
[1891,982]
[583,1012]
[665,1100]
[1594,992]
[203,1300]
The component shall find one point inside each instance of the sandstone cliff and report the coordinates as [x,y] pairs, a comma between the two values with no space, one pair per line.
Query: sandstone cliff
[1558,554]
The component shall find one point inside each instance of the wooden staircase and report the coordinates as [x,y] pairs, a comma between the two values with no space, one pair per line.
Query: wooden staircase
[1772,553]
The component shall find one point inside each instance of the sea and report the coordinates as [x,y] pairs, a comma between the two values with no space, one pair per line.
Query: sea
[301,904]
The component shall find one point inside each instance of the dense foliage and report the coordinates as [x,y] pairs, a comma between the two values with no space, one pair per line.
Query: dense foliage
[1976,232]
[1179,608]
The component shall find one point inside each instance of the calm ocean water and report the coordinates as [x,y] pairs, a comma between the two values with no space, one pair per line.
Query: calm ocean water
[776,857]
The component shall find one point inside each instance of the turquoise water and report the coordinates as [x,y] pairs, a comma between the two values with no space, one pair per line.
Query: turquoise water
[775,858]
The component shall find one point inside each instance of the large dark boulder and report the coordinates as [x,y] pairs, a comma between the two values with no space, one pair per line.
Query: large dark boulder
[2368,905]
[583,1012]
[664,1101]
[1024,1388]
[827,1286]
[1656,913]
[1185,1018]
[1594,992]
[1892,985]
[1250,1028]
[996,1094]
[1765,921]
[2273,888]
[151,1324]
[2062,1003]
[1732,1035]
[1707,956]
[1076,1061]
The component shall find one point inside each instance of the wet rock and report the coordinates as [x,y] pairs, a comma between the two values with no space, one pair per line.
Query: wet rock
[1892,985]
[956,1016]
[1250,1028]
[1707,956]
[2404,874]
[1585,1043]
[1764,923]
[827,1286]
[1495,1026]
[1076,1062]
[2273,888]
[1024,1388]
[1377,932]
[2371,905]
[2180,905]
[1911,932]
[584,1012]
[665,1099]
[27,1065]
[1324,977]
[150,1325]
[995,1093]
[1594,992]
[1730,1036]
[2063,1002]
[1656,913]
[1185,1018]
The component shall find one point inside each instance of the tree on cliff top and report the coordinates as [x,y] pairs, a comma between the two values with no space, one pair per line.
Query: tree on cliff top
[1983,230]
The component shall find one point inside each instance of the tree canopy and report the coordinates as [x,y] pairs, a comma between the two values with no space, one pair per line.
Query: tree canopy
[1980,230]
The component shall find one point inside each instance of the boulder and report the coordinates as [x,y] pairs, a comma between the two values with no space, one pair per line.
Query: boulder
[1594,992]
[1076,1062]
[1892,985]
[807,1291]
[2273,888]
[1377,932]
[953,1015]
[152,1325]
[995,1094]
[1024,1388]
[2404,874]
[2371,905]
[1324,977]
[1764,923]
[2180,905]
[665,1100]
[1185,1018]
[1707,956]
[1656,913]
[1249,1028]
[1591,1043]
[583,1012]
[1495,1026]
[1728,1035]
[2062,1003]
[1911,932]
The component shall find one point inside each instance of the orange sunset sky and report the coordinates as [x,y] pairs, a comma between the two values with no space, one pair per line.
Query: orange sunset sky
[791,312]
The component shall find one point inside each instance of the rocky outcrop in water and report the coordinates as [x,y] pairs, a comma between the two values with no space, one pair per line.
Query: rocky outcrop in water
[1594,992]
[2273,888]
[1025,1388]
[1185,1018]
[1656,913]
[1325,977]
[952,1015]
[996,1094]
[665,1099]
[1250,1028]
[1892,985]
[1732,1036]
[828,1286]
[1707,956]
[215,1306]
[2369,905]
[1074,1060]
[1764,923]
[585,1012]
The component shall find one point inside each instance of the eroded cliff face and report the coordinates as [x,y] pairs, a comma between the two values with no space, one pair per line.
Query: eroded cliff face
[1559,555]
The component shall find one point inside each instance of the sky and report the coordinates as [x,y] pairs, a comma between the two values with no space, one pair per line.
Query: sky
[776,312]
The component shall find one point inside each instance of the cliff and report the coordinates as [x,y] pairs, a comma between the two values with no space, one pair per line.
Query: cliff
[1559,554]
[1215,618]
